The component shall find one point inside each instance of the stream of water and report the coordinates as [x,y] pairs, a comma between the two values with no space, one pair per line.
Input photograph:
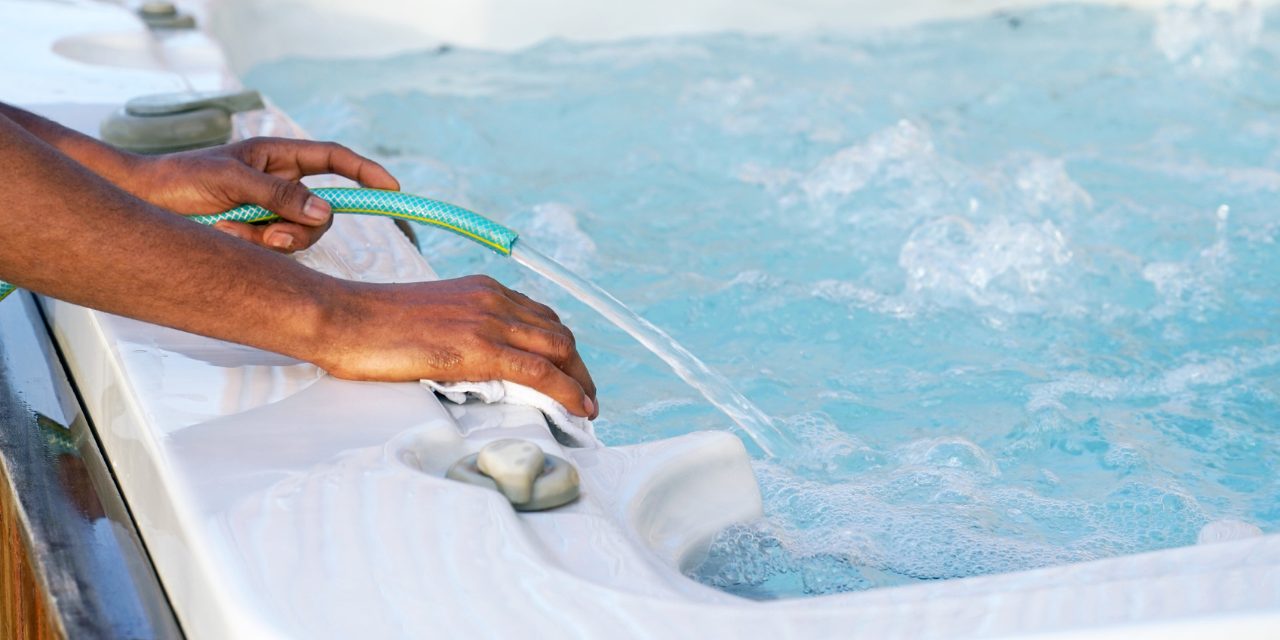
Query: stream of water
[713,386]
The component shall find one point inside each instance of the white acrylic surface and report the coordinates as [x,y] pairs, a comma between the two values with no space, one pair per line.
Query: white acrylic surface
[258,31]
[279,502]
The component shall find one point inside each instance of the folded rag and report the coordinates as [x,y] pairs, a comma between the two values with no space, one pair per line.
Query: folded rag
[569,429]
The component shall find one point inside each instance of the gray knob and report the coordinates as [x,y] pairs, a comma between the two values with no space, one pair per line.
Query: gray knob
[165,16]
[158,9]
[176,121]
[520,471]
[513,465]
[163,104]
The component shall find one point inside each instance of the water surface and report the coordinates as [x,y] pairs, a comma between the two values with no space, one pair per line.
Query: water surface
[1011,281]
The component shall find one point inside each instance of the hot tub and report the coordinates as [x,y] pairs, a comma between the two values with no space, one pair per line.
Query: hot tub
[277,502]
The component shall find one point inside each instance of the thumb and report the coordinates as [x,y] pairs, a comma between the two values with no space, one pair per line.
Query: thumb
[288,199]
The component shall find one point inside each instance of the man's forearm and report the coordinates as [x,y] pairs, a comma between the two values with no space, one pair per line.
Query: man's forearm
[113,164]
[70,234]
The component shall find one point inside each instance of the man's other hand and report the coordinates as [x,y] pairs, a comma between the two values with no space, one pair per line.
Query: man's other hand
[466,329]
[261,171]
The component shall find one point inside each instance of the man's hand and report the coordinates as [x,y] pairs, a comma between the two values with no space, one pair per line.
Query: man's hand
[471,328]
[261,171]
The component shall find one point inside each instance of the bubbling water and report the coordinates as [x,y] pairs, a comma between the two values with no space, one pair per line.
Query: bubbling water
[1009,282]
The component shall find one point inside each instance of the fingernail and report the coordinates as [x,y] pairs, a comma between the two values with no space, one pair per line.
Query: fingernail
[280,240]
[316,209]
[589,406]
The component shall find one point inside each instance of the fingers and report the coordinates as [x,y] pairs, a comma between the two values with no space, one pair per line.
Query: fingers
[577,369]
[540,373]
[546,318]
[293,159]
[560,348]
[534,328]
[285,237]
[286,198]
[246,232]
[289,237]
[269,178]
[541,309]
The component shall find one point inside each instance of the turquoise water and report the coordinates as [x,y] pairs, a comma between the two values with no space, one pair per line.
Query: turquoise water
[1010,281]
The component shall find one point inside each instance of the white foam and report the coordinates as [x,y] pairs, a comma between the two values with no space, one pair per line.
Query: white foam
[1046,185]
[1226,531]
[1193,285]
[1207,41]
[902,149]
[1000,264]
[1196,371]
[952,452]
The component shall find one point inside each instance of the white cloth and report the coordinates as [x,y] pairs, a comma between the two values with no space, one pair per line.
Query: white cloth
[578,431]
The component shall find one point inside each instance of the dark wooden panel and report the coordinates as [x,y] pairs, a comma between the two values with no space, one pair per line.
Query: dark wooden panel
[71,561]
[24,613]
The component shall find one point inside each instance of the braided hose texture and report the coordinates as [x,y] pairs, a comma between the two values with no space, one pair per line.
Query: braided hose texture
[377,202]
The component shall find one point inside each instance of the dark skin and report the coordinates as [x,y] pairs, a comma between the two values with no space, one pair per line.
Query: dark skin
[95,226]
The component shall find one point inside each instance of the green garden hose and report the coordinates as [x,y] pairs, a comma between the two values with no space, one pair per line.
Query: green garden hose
[377,202]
